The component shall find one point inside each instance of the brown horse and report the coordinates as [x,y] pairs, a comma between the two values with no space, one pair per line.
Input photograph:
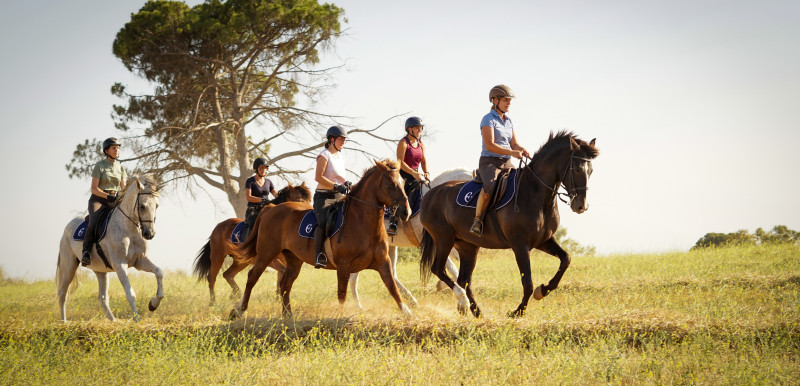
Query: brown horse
[360,244]
[529,223]
[210,258]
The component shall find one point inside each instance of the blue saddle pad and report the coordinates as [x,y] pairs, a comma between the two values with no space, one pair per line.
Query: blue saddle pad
[80,231]
[415,202]
[310,221]
[468,195]
[236,235]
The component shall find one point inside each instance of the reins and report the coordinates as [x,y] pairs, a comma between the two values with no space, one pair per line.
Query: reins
[571,192]
[138,212]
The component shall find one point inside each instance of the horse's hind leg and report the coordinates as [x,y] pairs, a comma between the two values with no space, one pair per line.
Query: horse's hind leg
[230,275]
[442,247]
[102,294]
[292,270]
[468,254]
[217,257]
[384,268]
[353,282]
[252,278]
[451,269]
[144,264]
[400,287]
[65,274]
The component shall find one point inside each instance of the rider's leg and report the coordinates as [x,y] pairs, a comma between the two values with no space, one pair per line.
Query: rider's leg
[95,204]
[480,210]
[321,198]
[321,260]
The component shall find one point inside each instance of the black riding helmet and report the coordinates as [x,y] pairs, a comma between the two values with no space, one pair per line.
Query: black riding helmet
[413,122]
[258,162]
[110,142]
[335,131]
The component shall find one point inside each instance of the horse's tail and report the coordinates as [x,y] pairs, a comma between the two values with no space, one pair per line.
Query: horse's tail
[428,253]
[202,263]
[247,250]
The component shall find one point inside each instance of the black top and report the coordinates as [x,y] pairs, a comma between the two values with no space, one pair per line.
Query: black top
[258,191]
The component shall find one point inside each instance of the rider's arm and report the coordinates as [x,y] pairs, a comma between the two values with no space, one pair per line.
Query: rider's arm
[487,132]
[401,155]
[324,182]
[424,163]
[96,189]
[517,146]
[272,191]
[250,196]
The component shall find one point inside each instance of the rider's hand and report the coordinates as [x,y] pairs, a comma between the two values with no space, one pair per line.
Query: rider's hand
[516,154]
[348,184]
[264,201]
[111,198]
[340,188]
[418,176]
[427,176]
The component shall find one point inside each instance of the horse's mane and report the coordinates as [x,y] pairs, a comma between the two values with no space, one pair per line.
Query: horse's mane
[283,194]
[147,180]
[561,138]
[391,164]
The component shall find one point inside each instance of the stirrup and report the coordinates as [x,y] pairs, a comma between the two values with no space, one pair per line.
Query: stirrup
[392,229]
[477,227]
[86,259]
[321,261]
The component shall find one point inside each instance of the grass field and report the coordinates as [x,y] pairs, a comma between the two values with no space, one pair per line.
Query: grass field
[715,316]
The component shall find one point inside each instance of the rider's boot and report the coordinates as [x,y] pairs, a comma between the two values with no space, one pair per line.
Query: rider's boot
[86,259]
[321,261]
[88,241]
[392,229]
[480,210]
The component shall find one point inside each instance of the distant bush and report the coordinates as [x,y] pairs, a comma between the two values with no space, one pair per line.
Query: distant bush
[571,246]
[780,234]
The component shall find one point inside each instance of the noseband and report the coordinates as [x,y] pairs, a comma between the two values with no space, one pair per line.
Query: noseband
[572,191]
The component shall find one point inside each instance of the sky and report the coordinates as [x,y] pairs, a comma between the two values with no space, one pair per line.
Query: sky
[694,105]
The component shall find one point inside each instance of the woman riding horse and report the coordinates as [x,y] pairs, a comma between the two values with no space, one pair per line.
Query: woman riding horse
[257,189]
[499,145]
[330,179]
[108,178]
[410,155]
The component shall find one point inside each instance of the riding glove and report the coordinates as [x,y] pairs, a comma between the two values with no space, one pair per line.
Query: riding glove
[111,198]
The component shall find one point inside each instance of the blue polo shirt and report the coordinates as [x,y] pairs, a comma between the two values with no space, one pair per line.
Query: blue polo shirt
[503,132]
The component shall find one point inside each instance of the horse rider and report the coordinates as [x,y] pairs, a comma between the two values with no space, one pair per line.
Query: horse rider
[329,175]
[108,179]
[410,155]
[257,190]
[499,145]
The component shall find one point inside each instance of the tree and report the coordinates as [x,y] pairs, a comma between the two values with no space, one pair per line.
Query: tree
[572,246]
[230,80]
[780,234]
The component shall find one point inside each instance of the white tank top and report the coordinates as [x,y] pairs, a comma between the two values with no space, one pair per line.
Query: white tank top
[335,169]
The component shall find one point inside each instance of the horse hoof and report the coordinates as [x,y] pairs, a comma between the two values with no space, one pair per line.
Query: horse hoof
[516,314]
[137,318]
[539,293]
[235,314]
[153,305]
[476,312]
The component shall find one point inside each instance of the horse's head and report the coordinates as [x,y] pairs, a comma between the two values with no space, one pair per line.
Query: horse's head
[390,192]
[147,193]
[576,177]
[299,193]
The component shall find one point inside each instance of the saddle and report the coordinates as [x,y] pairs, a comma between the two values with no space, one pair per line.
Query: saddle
[334,221]
[99,229]
[503,192]
[236,235]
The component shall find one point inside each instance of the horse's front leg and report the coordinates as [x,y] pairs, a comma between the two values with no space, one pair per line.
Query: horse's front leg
[144,264]
[523,257]
[342,278]
[400,287]
[551,247]
[122,275]
[384,268]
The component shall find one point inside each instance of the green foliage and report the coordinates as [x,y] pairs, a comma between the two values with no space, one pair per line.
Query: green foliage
[779,234]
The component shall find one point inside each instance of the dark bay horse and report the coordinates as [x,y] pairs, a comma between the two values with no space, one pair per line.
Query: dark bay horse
[360,244]
[210,258]
[562,160]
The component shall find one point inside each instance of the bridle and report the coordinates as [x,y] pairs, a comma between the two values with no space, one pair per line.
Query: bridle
[138,211]
[572,191]
[395,200]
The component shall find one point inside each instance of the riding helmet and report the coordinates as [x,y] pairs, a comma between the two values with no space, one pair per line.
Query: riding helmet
[413,122]
[335,132]
[258,162]
[110,142]
[501,91]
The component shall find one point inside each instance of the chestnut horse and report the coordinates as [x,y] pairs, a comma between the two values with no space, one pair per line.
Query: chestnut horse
[210,258]
[360,244]
[529,223]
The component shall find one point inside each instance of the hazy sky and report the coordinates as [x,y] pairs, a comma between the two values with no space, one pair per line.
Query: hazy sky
[694,104]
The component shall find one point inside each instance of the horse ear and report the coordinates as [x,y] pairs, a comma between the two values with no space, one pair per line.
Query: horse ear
[381,165]
[592,141]
[303,185]
[573,145]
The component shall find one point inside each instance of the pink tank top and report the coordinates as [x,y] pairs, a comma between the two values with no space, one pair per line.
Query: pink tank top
[413,155]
